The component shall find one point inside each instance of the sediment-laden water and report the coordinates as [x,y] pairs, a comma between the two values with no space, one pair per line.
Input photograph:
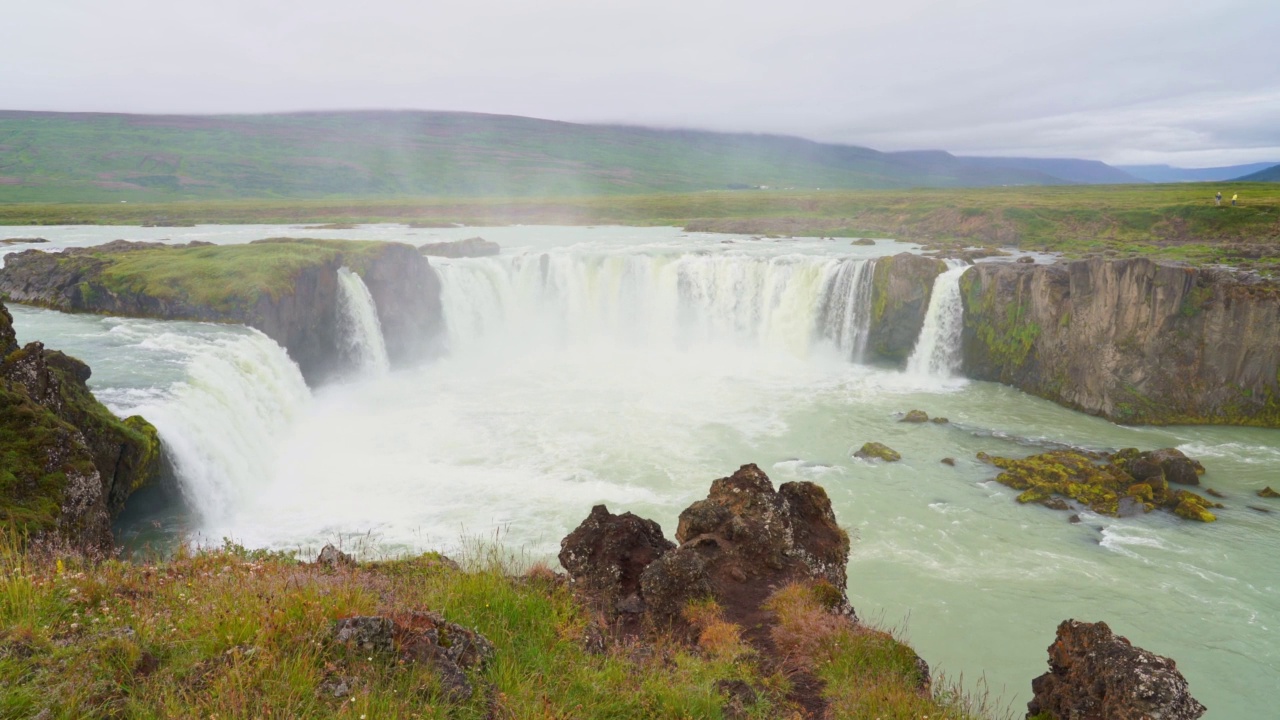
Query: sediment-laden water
[632,367]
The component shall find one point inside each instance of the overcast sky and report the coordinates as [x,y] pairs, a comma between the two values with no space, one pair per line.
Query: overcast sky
[1126,81]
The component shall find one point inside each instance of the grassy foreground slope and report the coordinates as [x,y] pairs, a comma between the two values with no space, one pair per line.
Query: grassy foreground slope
[234,634]
[54,157]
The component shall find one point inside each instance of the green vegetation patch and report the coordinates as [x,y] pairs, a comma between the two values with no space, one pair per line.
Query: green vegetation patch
[1099,482]
[1006,334]
[36,455]
[226,276]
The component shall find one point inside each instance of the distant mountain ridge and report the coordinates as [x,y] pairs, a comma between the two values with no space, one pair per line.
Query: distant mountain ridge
[1084,172]
[95,157]
[1168,174]
[1271,174]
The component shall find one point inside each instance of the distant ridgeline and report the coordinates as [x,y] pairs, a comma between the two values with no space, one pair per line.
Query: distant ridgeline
[289,289]
[103,157]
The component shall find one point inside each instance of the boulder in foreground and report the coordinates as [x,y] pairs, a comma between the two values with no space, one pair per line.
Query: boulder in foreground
[1094,673]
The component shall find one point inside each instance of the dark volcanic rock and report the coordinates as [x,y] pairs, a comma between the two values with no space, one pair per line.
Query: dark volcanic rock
[744,540]
[1132,340]
[424,638]
[471,247]
[606,554]
[1095,674]
[333,557]
[1178,468]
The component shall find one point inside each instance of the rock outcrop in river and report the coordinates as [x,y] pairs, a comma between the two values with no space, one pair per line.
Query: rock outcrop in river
[1132,340]
[67,465]
[286,288]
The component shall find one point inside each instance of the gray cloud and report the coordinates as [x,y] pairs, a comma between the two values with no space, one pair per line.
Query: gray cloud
[1175,81]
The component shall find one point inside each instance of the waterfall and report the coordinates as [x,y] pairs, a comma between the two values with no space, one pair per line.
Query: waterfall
[937,350]
[222,423]
[787,303]
[363,344]
[846,307]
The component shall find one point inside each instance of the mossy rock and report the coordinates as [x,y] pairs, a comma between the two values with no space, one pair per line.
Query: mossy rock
[878,451]
[1267,492]
[1097,481]
[915,416]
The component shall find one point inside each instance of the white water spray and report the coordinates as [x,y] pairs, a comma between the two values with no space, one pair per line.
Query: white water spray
[223,424]
[785,303]
[937,350]
[363,344]
[846,307]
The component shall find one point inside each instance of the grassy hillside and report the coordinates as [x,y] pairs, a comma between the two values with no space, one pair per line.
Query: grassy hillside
[1169,174]
[84,157]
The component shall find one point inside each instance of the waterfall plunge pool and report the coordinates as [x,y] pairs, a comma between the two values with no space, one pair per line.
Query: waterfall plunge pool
[632,367]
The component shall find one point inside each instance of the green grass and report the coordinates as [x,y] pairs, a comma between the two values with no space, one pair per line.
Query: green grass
[224,278]
[1173,221]
[237,634]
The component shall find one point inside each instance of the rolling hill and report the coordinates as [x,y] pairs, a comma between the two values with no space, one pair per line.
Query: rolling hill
[106,157]
[1271,174]
[1169,174]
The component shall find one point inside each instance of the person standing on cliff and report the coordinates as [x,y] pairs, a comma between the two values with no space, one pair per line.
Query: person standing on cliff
[1217,199]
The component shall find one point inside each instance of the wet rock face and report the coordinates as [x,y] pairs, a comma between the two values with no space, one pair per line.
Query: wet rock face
[1132,340]
[743,540]
[606,555]
[900,294]
[424,638]
[1094,673]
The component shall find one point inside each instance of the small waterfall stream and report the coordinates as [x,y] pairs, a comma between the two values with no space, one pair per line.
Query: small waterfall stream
[363,344]
[937,350]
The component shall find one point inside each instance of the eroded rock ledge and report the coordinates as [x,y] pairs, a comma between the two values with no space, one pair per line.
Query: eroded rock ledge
[287,288]
[67,465]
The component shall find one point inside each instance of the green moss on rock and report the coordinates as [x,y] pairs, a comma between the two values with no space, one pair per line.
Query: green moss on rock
[878,451]
[1097,481]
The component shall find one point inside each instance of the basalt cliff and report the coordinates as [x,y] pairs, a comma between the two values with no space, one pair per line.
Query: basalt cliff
[1132,340]
[286,288]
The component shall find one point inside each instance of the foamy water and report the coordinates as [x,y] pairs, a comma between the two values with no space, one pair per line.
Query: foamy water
[633,367]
